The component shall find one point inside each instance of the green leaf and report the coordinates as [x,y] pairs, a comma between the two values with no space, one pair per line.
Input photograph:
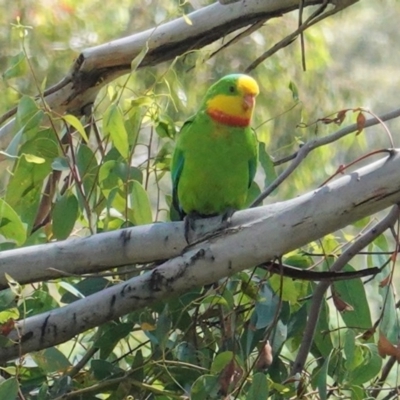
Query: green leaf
[115,127]
[133,122]
[88,170]
[85,287]
[352,291]
[162,328]
[27,109]
[287,288]
[18,66]
[221,361]
[10,313]
[41,301]
[259,387]
[253,192]
[60,164]
[215,299]
[75,123]
[205,387]
[389,323]
[28,119]
[9,389]
[369,369]
[64,215]
[295,92]
[349,348]
[7,299]
[266,307]
[267,165]
[135,63]
[102,369]
[137,372]
[51,360]
[34,159]
[115,179]
[165,127]
[185,352]
[322,338]
[11,226]
[111,334]
[43,392]
[321,379]
[24,190]
[141,208]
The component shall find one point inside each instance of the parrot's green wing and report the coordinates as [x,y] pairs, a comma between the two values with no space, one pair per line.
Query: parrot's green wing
[253,160]
[176,170]
[178,161]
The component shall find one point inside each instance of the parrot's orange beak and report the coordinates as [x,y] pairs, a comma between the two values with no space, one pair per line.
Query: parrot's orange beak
[249,101]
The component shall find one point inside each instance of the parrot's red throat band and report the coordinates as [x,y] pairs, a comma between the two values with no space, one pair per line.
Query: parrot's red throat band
[228,119]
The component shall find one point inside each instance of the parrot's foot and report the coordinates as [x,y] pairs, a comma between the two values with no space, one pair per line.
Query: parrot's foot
[198,226]
[190,225]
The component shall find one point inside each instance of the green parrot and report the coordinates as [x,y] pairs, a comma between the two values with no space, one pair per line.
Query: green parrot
[215,158]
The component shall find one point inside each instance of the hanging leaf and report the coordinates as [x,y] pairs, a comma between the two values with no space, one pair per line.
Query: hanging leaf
[11,226]
[9,389]
[135,63]
[141,208]
[64,215]
[267,165]
[265,357]
[295,92]
[114,126]
[385,348]
[75,123]
[360,122]
[18,66]
[259,387]
[51,360]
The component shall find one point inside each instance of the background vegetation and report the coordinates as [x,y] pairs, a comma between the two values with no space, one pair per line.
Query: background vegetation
[238,338]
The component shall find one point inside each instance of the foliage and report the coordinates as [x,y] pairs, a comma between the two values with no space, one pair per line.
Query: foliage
[238,337]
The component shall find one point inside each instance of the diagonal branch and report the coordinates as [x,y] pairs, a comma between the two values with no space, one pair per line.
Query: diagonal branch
[322,287]
[256,235]
[97,66]
[303,152]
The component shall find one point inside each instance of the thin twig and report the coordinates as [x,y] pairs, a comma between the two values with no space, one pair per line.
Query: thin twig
[300,155]
[303,274]
[50,90]
[312,20]
[382,379]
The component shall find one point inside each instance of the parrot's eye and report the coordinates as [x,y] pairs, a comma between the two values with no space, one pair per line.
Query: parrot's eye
[232,89]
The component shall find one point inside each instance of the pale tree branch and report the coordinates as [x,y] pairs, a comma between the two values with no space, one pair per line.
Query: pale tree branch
[75,256]
[319,292]
[97,66]
[256,235]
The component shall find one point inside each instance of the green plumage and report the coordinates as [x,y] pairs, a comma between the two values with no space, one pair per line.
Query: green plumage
[213,164]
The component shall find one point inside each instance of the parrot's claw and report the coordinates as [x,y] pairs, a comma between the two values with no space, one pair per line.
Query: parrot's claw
[188,226]
[227,217]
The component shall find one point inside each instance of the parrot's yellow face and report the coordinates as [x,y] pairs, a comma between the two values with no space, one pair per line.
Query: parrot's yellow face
[231,100]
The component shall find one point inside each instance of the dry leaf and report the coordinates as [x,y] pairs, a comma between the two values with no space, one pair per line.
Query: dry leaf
[341,115]
[360,122]
[385,348]
[7,327]
[265,358]
[386,281]
[340,304]
[230,375]
[368,333]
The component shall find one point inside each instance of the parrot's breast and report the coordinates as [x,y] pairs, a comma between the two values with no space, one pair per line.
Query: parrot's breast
[215,176]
